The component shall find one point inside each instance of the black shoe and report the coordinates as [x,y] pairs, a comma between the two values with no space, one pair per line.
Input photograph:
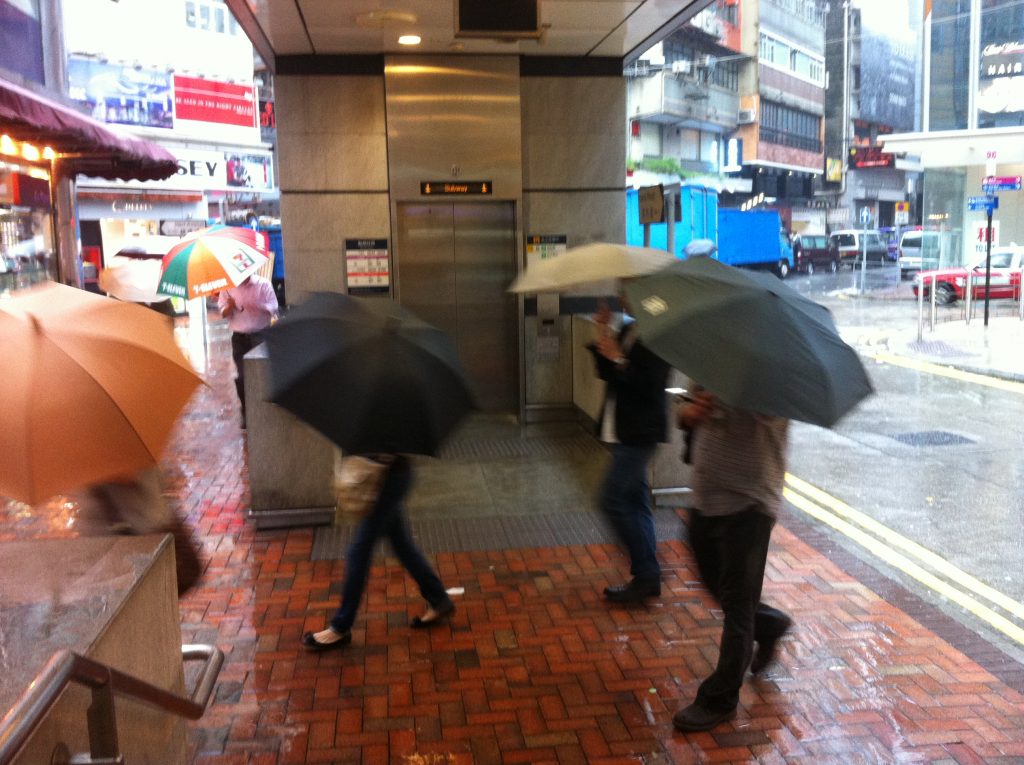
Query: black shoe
[636,591]
[697,718]
[442,612]
[310,643]
[766,649]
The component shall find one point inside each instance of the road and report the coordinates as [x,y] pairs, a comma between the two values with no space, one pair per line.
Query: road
[922,479]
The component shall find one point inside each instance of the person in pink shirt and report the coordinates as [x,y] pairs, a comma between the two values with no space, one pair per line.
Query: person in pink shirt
[249,308]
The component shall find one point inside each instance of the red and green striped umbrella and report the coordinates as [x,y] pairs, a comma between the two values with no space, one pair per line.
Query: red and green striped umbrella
[213,259]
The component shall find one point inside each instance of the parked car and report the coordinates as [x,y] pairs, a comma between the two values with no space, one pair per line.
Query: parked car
[918,249]
[847,245]
[951,283]
[810,253]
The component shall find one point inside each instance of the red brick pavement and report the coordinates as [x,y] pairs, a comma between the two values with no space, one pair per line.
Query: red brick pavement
[535,667]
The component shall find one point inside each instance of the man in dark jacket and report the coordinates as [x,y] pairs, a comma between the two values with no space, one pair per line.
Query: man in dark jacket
[633,422]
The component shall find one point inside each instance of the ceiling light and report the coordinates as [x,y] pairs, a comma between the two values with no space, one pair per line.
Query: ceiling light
[409,40]
[30,152]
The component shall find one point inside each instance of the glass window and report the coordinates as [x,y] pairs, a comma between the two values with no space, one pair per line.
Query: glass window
[190,15]
[1000,97]
[950,56]
[219,14]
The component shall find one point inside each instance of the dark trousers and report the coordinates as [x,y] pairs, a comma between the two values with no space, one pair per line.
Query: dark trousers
[387,519]
[731,551]
[626,501]
[241,344]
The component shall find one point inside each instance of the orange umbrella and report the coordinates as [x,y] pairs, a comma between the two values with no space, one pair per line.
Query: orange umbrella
[92,387]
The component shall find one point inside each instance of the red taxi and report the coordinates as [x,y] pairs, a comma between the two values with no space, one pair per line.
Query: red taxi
[950,283]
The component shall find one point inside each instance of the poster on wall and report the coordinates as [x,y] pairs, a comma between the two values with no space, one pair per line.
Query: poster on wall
[124,95]
[367,267]
[890,43]
[249,171]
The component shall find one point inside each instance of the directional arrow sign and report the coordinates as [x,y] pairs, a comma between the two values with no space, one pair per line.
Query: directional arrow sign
[986,203]
[992,183]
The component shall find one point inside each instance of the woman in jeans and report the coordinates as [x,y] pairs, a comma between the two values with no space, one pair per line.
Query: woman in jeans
[386,519]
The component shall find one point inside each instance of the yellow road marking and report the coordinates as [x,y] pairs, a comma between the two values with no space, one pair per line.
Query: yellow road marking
[842,518]
[950,372]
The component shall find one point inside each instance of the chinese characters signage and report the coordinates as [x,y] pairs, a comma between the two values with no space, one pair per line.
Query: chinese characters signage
[367,268]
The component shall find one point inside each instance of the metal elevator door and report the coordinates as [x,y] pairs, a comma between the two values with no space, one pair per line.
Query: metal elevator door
[455,262]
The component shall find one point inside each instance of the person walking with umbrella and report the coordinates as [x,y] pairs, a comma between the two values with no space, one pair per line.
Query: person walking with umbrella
[377,381]
[633,422]
[249,308]
[739,465]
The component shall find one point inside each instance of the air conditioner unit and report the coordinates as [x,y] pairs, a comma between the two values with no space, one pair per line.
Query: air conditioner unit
[746,117]
[682,66]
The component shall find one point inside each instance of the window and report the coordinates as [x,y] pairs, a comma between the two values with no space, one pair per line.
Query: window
[790,127]
[211,16]
[789,58]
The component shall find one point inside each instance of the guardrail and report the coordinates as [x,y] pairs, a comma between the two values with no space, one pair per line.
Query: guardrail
[968,304]
[65,667]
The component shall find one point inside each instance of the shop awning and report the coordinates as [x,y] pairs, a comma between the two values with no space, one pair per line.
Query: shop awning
[88,146]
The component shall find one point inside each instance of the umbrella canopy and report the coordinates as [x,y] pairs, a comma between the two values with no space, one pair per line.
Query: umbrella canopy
[595,266]
[368,374]
[132,280]
[749,339]
[210,260]
[92,387]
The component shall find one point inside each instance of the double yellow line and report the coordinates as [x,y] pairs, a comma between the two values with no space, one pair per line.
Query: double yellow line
[931,570]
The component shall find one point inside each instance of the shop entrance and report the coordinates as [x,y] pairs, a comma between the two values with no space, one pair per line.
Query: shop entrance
[454,265]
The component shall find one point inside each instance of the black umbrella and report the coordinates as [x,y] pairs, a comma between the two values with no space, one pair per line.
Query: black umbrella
[368,374]
[749,339]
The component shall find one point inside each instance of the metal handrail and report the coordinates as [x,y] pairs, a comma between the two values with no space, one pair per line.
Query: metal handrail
[65,667]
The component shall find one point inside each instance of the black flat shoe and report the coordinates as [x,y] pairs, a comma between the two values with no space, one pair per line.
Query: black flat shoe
[636,591]
[310,643]
[442,613]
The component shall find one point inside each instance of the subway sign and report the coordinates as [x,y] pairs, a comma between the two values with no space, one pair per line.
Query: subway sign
[456,188]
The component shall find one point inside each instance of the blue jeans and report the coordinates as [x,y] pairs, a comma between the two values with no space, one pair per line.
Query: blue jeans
[626,501]
[387,519]
[731,552]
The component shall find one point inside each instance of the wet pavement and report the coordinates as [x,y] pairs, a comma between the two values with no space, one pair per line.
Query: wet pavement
[536,668]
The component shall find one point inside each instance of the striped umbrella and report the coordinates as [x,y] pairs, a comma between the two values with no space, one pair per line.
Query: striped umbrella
[213,259]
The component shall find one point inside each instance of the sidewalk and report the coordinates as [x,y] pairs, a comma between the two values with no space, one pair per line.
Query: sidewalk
[996,350]
[535,667]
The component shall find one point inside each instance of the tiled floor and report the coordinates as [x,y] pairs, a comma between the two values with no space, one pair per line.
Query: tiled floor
[535,667]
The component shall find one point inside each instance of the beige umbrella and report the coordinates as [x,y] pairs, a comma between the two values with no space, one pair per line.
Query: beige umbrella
[132,279]
[92,388]
[595,266]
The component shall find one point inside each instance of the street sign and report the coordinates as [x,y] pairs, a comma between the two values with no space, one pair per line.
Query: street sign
[992,183]
[902,210]
[865,216]
[651,201]
[988,203]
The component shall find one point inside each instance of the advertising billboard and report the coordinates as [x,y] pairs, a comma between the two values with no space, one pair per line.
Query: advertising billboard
[122,94]
[890,44]
[214,101]
[1001,81]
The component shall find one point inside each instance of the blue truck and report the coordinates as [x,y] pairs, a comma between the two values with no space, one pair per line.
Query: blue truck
[751,239]
[754,239]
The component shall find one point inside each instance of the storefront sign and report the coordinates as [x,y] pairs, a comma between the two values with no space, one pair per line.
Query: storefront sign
[1001,85]
[367,268]
[30,192]
[212,101]
[862,157]
[249,171]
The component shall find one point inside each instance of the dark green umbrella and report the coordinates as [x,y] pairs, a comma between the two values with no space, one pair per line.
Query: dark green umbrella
[368,374]
[749,339]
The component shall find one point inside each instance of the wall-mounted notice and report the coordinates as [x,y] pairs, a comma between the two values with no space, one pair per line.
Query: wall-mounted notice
[367,267]
[543,246]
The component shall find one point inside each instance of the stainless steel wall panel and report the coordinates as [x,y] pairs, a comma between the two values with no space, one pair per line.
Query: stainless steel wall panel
[485,247]
[453,112]
[426,269]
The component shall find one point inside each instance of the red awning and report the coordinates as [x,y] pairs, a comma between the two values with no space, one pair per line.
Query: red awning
[93,148]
